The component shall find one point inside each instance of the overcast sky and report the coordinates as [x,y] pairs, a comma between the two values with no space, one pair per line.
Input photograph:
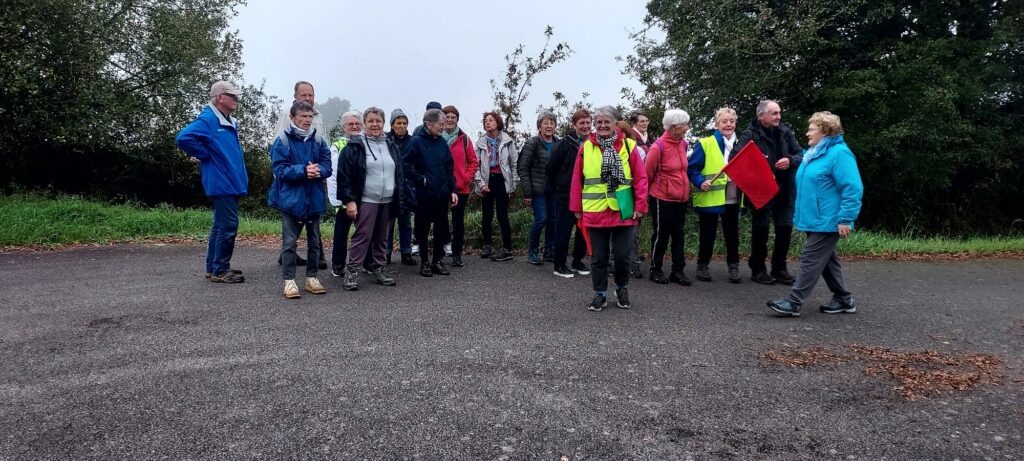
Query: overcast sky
[405,53]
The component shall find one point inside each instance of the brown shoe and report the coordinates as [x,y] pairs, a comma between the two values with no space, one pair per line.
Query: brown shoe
[313,286]
[291,290]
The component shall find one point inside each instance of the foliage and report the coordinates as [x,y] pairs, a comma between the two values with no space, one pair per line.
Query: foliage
[930,92]
[520,71]
[563,110]
[331,112]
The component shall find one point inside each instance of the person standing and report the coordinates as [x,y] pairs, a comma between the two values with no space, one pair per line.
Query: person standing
[669,196]
[399,135]
[496,181]
[828,201]
[212,139]
[779,145]
[638,122]
[300,159]
[533,164]
[430,170]
[351,124]
[465,164]
[609,173]
[560,174]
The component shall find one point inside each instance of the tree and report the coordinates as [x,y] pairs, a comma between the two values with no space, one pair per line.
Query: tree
[520,71]
[929,92]
[563,110]
[332,110]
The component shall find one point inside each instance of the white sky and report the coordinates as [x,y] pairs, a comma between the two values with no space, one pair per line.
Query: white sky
[405,53]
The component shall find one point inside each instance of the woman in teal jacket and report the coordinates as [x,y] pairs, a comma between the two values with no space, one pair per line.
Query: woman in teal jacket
[828,199]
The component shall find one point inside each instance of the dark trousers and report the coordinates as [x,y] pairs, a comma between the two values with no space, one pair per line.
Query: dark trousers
[818,259]
[459,225]
[339,251]
[780,212]
[620,239]
[730,230]
[432,212]
[563,232]
[497,197]
[291,227]
[222,234]
[543,221]
[668,221]
[404,223]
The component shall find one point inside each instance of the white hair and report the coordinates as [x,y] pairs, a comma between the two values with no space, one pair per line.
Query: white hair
[352,113]
[675,117]
[606,111]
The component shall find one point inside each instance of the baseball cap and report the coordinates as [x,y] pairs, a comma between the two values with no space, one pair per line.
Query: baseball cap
[223,87]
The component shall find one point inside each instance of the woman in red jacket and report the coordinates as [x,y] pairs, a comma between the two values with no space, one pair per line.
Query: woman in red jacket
[669,196]
[466,164]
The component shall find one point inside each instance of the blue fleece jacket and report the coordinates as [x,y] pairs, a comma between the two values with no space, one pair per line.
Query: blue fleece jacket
[213,139]
[828,187]
[292,192]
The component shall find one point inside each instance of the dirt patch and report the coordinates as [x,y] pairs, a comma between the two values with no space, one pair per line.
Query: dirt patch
[916,374]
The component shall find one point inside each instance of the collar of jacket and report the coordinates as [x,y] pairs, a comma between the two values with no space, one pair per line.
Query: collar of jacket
[230,121]
[505,139]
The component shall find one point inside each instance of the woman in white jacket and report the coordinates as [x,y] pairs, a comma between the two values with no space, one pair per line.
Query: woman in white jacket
[495,181]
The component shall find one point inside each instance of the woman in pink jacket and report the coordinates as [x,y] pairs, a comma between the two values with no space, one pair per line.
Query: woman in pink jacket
[669,196]
[609,172]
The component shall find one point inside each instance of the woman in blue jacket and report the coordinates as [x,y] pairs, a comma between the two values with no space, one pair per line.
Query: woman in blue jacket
[828,199]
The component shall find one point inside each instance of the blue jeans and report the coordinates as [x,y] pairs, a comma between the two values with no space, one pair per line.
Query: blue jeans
[544,219]
[222,234]
[404,221]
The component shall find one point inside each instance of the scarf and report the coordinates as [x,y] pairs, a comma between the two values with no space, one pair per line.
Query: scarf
[304,134]
[450,136]
[611,165]
[730,143]
[816,149]
[492,150]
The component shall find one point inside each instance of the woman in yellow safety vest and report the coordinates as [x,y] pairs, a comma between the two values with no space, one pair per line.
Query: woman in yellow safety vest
[608,195]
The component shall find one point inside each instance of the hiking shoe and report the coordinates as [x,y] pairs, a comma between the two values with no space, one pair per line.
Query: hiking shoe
[838,306]
[415,249]
[485,251]
[407,260]
[502,255]
[233,271]
[734,273]
[337,272]
[440,268]
[534,258]
[622,298]
[580,268]
[762,278]
[635,272]
[351,280]
[228,277]
[563,271]
[680,278]
[600,302]
[783,277]
[447,249]
[383,277]
[703,274]
[291,290]
[785,308]
[313,286]
[425,270]
[657,276]
[457,261]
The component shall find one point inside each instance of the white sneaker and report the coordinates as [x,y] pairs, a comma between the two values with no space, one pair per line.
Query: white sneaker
[447,249]
[291,290]
[415,249]
[313,286]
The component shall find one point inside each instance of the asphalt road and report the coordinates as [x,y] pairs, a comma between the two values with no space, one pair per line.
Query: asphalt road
[128,352]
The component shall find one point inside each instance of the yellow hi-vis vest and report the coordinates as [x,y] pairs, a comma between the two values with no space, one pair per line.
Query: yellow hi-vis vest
[596,197]
[713,163]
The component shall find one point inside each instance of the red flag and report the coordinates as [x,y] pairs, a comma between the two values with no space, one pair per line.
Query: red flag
[752,174]
[586,236]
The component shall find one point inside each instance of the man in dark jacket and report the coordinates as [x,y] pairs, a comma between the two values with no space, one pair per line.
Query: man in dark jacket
[532,168]
[779,145]
[559,180]
[430,170]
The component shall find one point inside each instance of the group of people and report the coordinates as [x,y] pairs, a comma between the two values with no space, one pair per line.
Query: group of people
[590,188]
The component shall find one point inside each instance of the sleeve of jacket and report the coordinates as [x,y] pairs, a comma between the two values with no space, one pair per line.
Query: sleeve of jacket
[513,159]
[651,164]
[525,162]
[282,165]
[576,190]
[283,121]
[332,181]
[695,166]
[194,138]
[555,163]
[449,166]
[640,183]
[325,161]
[851,189]
[478,177]
[472,162]
[795,153]
[410,159]
[346,168]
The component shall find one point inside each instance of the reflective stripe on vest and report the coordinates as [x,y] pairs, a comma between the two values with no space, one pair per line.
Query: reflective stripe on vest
[596,197]
[713,163]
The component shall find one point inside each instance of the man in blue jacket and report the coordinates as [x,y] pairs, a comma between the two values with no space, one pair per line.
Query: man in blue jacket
[212,139]
[301,160]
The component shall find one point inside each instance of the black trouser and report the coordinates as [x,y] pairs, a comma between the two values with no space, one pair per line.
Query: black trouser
[780,211]
[621,239]
[730,230]
[669,222]
[291,227]
[339,251]
[459,225]
[432,211]
[497,196]
[563,232]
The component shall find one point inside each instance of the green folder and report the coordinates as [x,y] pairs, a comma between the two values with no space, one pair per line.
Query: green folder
[625,199]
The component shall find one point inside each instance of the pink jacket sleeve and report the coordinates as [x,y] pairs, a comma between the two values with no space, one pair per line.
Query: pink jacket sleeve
[636,165]
[576,191]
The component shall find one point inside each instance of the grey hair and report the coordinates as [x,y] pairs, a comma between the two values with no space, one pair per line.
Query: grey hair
[675,117]
[607,111]
[762,106]
[546,115]
[433,116]
[725,110]
[374,110]
[352,113]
